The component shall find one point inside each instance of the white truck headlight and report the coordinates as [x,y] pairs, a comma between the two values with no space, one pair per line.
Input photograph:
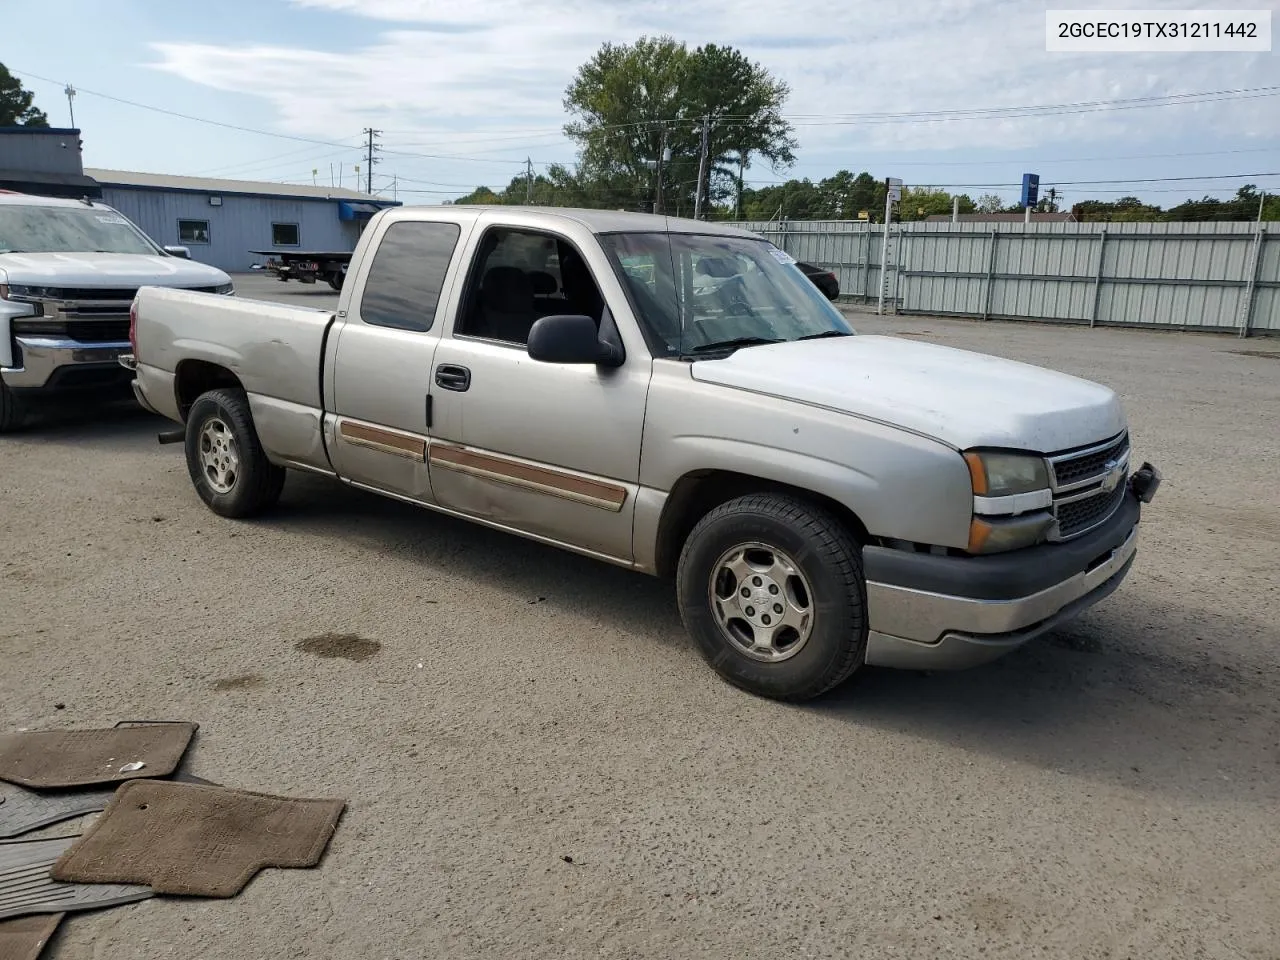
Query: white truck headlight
[1006,474]
[1011,501]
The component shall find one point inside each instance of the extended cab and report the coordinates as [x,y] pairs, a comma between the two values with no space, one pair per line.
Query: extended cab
[68,271]
[675,397]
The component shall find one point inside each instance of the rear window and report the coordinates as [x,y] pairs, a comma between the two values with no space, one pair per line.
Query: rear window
[407,275]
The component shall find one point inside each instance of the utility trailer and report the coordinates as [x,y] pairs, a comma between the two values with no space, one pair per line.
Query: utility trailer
[307,266]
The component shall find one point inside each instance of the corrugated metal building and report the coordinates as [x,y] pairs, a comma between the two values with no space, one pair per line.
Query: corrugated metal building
[222,221]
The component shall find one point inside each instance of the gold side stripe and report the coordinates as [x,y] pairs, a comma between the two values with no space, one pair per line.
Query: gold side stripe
[386,441]
[556,483]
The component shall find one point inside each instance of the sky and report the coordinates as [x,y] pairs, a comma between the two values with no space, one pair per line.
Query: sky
[465,91]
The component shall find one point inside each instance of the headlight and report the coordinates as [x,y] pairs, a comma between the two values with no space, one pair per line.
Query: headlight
[1011,501]
[1004,474]
[226,289]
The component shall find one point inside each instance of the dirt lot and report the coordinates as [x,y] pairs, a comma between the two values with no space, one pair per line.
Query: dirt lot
[1111,791]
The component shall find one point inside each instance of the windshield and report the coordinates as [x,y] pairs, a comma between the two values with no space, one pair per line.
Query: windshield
[38,229]
[700,294]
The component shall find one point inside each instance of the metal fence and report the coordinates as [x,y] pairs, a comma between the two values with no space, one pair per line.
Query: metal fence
[1222,277]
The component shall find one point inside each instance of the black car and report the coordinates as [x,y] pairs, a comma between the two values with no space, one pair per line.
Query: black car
[824,280]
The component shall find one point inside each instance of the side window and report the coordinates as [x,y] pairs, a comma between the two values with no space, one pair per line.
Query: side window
[407,275]
[521,276]
[193,231]
[284,235]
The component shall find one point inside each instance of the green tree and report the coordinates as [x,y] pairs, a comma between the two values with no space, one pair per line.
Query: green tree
[479,195]
[1124,210]
[989,203]
[17,108]
[630,102]
[920,203]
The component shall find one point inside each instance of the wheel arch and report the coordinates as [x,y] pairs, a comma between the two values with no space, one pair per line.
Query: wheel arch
[698,492]
[195,377]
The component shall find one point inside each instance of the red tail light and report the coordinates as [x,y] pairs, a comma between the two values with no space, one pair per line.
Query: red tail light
[133,327]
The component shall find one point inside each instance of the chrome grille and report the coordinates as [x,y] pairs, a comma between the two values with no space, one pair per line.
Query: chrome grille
[1083,494]
[1078,468]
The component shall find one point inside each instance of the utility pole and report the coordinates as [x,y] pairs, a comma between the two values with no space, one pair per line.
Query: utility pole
[373,135]
[70,91]
[1261,200]
[702,168]
[528,182]
[662,157]
[892,192]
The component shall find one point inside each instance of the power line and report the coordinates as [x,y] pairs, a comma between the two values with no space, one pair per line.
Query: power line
[924,116]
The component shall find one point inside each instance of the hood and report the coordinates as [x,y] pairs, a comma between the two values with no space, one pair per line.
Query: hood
[107,270]
[961,398]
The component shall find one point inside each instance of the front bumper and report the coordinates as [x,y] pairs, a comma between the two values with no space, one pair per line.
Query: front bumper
[59,362]
[929,612]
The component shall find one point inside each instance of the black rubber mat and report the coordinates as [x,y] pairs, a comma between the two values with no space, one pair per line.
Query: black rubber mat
[27,888]
[23,810]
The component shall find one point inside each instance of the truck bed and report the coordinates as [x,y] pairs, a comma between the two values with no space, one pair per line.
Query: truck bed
[277,348]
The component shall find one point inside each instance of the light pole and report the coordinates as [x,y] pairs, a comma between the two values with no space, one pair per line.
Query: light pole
[70,91]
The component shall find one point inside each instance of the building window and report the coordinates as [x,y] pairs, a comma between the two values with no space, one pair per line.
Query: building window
[284,234]
[193,231]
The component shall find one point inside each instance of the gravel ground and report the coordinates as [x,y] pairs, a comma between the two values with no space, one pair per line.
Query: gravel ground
[492,708]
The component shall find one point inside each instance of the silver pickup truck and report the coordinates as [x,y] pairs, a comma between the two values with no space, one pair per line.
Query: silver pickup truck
[675,397]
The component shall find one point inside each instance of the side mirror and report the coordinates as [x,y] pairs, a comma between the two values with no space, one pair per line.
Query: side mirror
[183,252]
[571,338]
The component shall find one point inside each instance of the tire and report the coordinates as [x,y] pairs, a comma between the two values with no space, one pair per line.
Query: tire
[12,414]
[822,638]
[225,459]
[335,280]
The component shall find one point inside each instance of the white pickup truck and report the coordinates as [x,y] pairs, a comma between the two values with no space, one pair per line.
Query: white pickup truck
[68,271]
[674,397]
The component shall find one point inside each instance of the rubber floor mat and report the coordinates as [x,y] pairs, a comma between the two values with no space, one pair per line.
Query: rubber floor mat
[23,810]
[193,840]
[80,758]
[24,939]
[27,888]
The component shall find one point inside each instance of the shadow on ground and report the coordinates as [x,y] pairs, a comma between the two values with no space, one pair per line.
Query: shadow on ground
[1128,693]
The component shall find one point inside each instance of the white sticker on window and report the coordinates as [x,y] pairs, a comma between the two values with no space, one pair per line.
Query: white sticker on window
[781,255]
[111,219]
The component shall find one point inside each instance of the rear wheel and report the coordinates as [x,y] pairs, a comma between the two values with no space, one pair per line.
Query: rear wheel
[225,459]
[771,589]
[335,280]
[12,413]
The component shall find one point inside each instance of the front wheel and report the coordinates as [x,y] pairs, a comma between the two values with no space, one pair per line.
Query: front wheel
[12,414]
[228,466]
[771,588]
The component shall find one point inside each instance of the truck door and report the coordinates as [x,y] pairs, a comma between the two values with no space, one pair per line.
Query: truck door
[549,449]
[381,365]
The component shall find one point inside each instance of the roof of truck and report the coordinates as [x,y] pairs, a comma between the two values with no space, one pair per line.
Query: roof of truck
[609,221]
[34,200]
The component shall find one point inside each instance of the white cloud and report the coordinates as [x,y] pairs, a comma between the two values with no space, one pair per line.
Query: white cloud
[458,73]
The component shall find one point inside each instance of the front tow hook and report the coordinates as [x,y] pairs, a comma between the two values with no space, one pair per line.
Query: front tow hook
[1145,482]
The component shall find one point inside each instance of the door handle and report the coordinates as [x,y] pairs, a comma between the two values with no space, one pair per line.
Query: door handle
[452,377]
